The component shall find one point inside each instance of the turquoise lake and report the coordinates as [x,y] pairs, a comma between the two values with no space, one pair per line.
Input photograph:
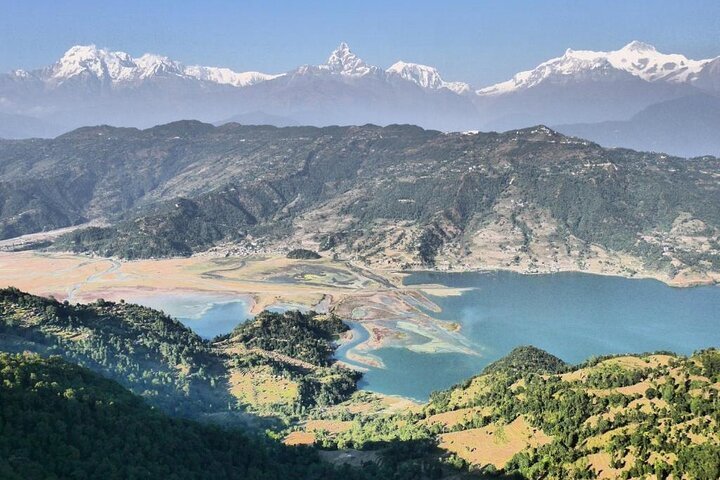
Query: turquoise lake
[571,315]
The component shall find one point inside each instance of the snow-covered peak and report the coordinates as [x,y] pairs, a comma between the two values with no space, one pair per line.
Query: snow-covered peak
[638,46]
[225,76]
[636,58]
[151,65]
[644,61]
[89,59]
[343,61]
[425,77]
[119,68]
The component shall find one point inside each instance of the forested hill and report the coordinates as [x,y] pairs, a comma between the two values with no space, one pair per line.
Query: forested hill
[396,195]
[527,415]
[157,357]
[62,421]
[147,351]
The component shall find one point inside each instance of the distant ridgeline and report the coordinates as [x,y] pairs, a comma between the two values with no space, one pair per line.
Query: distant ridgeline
[528,415]
[366,192]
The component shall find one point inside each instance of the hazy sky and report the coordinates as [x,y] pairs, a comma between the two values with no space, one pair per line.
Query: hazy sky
[476,41]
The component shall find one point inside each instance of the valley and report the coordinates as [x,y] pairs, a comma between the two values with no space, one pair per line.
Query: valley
[335,286]
[185,287]
[264,258]
[526,414]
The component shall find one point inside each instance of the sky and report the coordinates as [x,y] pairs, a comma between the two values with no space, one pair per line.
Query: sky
[480,42]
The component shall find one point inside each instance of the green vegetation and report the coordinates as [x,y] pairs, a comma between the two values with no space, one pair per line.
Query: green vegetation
[145,350]
[62,421]
[527,359]
[158,358]
[59,420]
[54,415]
[528,415]
[652,414]
[307,337]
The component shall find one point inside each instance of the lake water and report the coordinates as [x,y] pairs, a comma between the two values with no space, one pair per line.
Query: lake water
[208,315]
[571,315]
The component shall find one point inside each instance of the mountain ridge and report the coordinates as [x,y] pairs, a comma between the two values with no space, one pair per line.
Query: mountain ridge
[637,58]
[91,85]
[391,197]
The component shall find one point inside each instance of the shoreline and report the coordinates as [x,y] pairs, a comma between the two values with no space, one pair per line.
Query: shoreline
[670,283]
[396,277]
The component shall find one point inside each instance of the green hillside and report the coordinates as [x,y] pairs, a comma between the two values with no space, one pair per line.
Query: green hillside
[58,420]
[527,415]
[634,416]
[157,357]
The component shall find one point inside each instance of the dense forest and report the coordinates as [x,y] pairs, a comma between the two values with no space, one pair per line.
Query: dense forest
[59,420]
[298,347]
[157,357]
[307,337]
[147,351]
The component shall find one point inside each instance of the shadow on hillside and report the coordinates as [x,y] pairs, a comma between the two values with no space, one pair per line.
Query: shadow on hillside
[413,459]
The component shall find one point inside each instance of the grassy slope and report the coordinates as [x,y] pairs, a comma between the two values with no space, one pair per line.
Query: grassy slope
[628,416]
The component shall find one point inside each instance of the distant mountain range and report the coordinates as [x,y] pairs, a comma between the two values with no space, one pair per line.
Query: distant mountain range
[687,125]
[90,86]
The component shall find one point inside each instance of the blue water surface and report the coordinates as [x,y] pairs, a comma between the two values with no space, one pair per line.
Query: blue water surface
[571,315]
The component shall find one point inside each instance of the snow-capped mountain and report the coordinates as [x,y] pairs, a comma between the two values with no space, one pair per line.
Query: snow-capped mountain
[344,62]
[345,89]
[90,85]
[636,58]
[425,76]
[119,68]
[225,76]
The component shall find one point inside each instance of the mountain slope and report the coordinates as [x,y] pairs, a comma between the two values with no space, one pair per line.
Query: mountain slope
[630,416]
[145,350]
[163,361]
[63,421]
[425,76]
[589,86]
[636,58]
[389,196]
